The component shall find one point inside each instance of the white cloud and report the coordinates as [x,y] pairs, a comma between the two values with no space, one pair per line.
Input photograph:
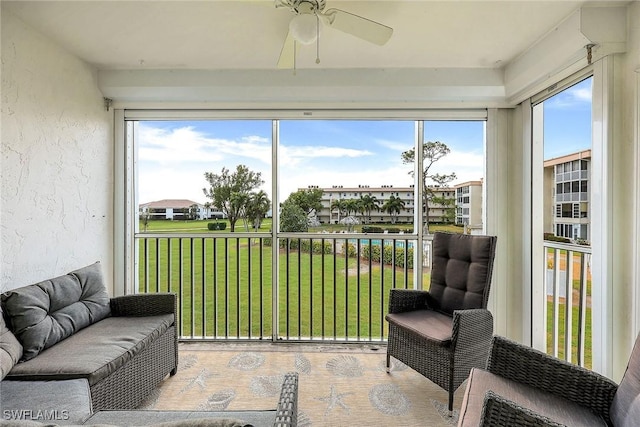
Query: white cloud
[187,145]
[394,145]
[577,95]
[294,155]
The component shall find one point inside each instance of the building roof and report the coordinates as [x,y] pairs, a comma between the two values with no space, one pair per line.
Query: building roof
[578,155]
[170,204]
[469,184]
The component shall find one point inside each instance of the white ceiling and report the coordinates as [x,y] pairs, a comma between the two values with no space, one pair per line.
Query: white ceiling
[247,36]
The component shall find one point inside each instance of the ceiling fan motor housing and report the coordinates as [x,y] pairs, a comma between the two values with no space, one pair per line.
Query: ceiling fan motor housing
[308,6]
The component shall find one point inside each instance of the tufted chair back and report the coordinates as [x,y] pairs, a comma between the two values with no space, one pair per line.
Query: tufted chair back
[461,271]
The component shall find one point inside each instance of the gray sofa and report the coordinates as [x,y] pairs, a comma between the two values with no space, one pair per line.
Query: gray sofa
[68,350]
[525,387]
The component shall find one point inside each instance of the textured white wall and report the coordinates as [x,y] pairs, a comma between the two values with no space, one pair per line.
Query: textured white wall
[56,209]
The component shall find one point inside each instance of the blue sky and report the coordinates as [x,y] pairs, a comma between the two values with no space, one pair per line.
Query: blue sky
[173,156]
[567,121]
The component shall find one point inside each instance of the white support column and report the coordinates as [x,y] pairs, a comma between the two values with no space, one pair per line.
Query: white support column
[496,215]
[601,217]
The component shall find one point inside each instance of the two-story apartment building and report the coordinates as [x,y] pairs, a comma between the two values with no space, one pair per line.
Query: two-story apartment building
[178,209]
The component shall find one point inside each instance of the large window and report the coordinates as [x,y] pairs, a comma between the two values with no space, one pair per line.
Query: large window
[295,229]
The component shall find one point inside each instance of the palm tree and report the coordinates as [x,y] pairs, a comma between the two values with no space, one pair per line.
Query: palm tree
[393,206]
[257,207]
[338,205]
[368,203]
[351,205]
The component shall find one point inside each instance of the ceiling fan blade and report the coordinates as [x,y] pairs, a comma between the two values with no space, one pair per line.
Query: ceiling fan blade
[358,26]
[288,52]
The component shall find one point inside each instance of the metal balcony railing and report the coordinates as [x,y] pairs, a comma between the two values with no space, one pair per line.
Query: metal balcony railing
[568,307]
[329,288]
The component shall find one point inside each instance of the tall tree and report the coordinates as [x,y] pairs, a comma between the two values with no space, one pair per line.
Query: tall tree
[351,205]
[369,203]
[293,218]
[257,208]
[393,206]
[432,151]
[309,199]
[230,191]
[338,204]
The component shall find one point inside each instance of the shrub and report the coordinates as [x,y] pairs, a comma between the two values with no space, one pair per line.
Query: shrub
[216,226]
[371,229]
[305,245]
[387,254]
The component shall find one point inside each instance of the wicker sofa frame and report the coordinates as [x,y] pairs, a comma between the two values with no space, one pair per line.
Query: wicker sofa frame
[129,385]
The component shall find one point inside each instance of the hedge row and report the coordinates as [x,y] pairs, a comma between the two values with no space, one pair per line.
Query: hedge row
[317,247]
[387,255]
[305,244]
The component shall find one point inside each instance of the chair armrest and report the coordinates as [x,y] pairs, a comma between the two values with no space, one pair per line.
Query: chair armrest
[498,411]
[144,304]
[473,331]
[526,365]
[287,410]
[401,300]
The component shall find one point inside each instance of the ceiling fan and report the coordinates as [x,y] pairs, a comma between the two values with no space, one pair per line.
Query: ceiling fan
[304,28]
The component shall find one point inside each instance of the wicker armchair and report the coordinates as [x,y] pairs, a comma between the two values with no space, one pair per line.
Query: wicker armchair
[444,332]
[526,387]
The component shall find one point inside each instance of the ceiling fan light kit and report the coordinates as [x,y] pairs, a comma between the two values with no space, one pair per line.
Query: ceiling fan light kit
[304,28]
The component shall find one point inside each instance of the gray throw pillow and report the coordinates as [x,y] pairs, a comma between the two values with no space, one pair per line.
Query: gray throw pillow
[10,349]
[45,313]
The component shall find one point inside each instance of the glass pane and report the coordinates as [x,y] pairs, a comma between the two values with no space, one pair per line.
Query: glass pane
[345,176]
[454,165]
[567,147]
[179,160]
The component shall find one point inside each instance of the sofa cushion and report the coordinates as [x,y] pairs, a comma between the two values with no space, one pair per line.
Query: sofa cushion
[462,266]
[561,411]
[625,408]
[61,402]
[429,324]
[95,352]
[45,313]
[10,349]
